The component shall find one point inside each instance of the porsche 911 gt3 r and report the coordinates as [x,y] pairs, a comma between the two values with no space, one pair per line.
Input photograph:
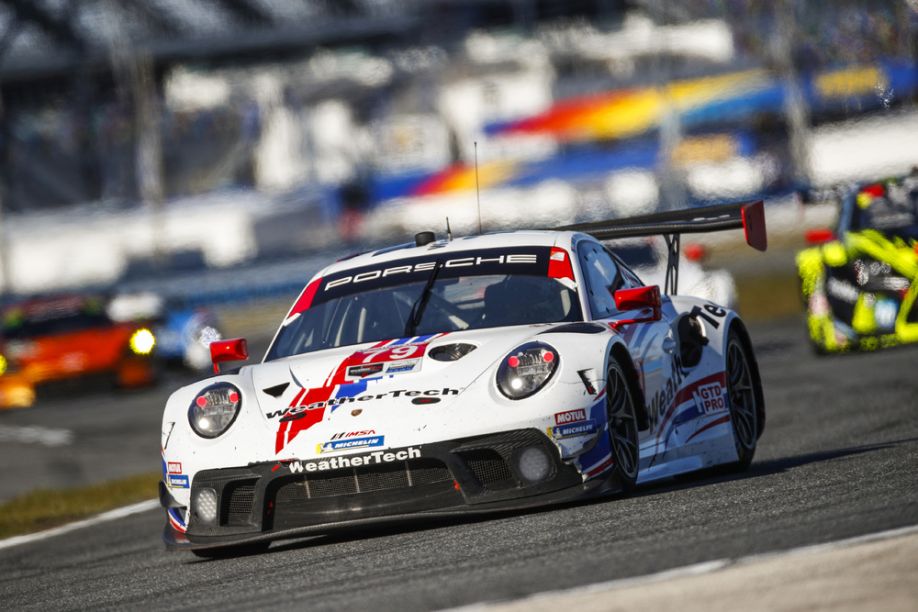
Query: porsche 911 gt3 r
[858,281]
[449,376]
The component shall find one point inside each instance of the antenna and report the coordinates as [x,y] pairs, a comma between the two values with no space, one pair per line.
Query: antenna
[449,232]
[477,189]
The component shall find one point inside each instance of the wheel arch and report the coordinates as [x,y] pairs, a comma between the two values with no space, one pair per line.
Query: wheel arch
[737,324]
[623,357]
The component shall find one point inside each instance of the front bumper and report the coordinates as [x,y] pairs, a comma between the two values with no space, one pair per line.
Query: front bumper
[269,501]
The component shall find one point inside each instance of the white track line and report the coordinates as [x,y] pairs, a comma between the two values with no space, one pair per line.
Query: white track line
[111,515]
[697,569]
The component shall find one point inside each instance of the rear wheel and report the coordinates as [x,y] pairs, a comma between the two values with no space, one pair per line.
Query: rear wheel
[743,400]
[622,425]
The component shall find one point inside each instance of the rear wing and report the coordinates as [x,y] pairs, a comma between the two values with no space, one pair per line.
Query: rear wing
[748,216]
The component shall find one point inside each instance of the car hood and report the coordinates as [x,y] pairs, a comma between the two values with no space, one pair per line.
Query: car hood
[901,255]
[359,388]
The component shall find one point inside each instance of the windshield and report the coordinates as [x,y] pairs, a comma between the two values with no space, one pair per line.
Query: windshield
[471,290]
[52,318]
[894,215]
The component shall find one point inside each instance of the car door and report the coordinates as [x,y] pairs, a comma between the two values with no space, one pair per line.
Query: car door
[650,343]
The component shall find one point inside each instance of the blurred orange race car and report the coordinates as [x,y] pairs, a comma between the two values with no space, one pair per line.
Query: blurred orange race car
[47,340]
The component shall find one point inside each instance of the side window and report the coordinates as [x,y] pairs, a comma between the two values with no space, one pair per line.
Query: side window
[630,278]
[602,278]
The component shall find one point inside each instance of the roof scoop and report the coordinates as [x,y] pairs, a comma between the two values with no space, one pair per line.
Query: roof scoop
[451,352]
[424,238]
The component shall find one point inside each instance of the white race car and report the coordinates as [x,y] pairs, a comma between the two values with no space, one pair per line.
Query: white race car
[484,373]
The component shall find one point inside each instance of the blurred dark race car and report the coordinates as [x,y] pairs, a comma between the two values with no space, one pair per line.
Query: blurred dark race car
[858,281]
[152,290]
[66,338]
[183,333]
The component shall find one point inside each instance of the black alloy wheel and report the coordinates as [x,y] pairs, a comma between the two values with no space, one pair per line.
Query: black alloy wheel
[742,399]
[622,425]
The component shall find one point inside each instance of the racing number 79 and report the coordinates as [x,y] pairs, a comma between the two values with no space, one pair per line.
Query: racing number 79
[391,353]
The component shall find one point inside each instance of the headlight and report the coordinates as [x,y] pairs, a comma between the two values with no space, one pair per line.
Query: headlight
[2,365]
[214,409]
[526,370]
[142,341]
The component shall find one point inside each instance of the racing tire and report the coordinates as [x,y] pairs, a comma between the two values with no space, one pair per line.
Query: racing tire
[228,552]
[742,400]
[621,422]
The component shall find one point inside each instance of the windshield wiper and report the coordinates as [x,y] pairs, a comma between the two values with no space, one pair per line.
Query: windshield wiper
[417,309]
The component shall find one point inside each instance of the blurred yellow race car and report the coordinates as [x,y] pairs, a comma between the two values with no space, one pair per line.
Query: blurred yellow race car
[858,281]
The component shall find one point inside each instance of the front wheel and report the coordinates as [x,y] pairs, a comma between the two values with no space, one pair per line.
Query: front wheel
[743,401]
[622,426]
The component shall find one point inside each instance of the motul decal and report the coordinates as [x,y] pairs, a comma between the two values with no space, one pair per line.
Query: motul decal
[570,416]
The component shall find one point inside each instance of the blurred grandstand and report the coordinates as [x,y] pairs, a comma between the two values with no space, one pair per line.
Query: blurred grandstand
[256,131]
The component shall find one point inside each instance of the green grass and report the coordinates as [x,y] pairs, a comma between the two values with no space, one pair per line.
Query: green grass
[768,296]
[43,509]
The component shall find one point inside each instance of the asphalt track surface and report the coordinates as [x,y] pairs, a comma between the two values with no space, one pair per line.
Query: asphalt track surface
[839,458]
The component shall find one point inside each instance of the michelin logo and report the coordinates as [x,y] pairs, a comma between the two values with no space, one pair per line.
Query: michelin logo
[337,463]
[578,429]
[179,481]
[350,444]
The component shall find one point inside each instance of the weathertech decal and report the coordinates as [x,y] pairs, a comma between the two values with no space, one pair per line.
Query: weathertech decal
[337,463]
[297,412]
[309,404]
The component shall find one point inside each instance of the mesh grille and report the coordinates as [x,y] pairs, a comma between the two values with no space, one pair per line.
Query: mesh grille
[239,508]
[428,471]
[489,468]
[380,478]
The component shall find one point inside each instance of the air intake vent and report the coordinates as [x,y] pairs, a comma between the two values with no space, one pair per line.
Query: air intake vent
[451,352]
[489,468]
[239,499]
[276,390]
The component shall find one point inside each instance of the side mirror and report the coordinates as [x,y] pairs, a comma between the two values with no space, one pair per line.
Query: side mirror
[639,298]
[235,349]
[695,252]
[819,236]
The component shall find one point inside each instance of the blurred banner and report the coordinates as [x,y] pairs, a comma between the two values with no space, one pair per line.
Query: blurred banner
[258,131]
